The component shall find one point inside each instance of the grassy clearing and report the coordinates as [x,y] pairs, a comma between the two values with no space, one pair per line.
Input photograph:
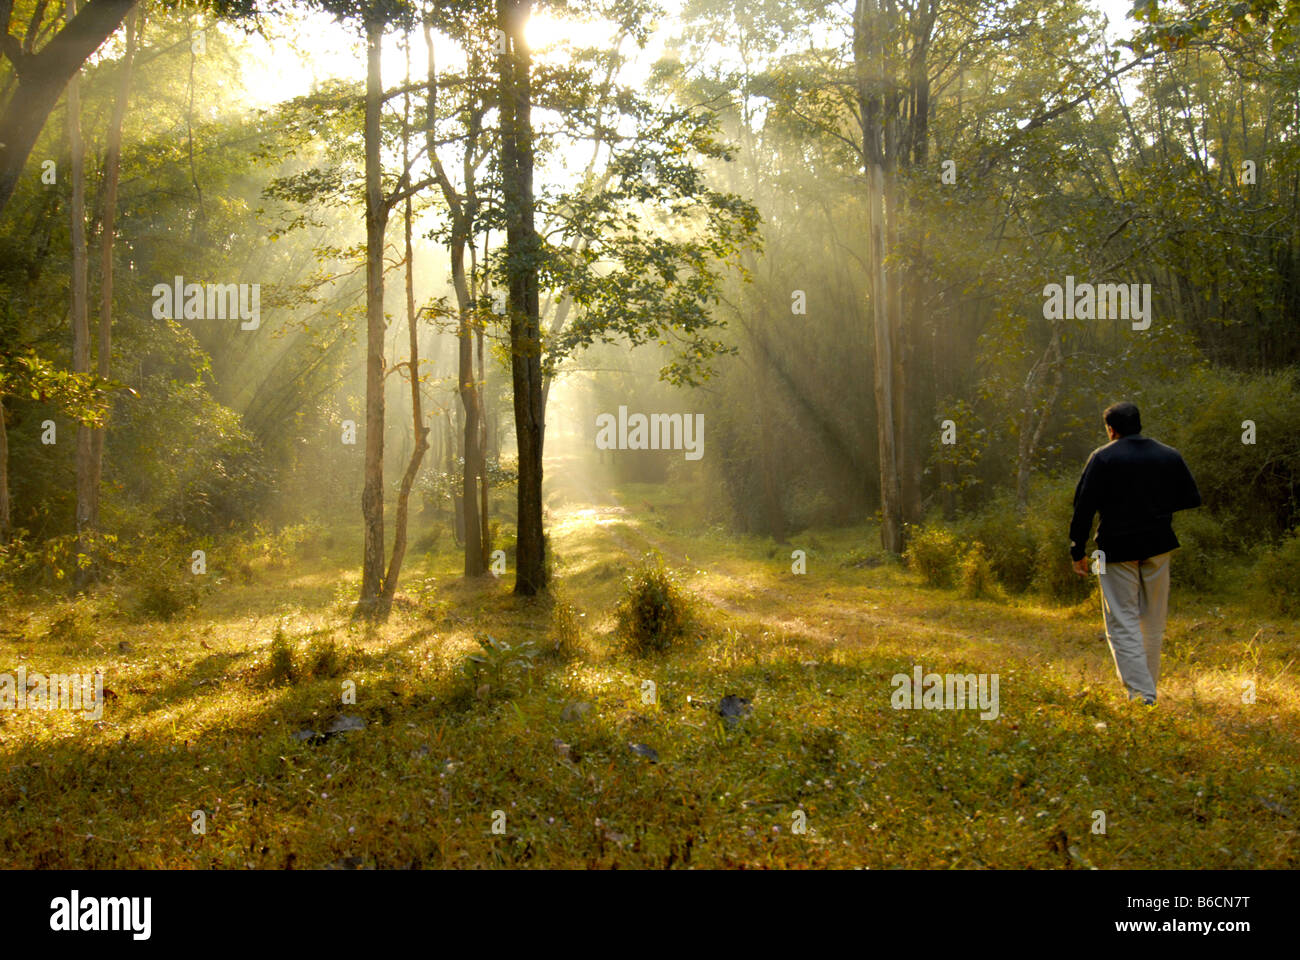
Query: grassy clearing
[203,718]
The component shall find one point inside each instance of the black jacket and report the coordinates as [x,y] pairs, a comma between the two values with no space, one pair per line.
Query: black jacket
[1137,484]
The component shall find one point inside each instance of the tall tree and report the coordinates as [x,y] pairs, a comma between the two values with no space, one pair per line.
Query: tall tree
[375,16]
[891,74]
[372,495]
[412,366]
[463,213]
[108,231]
[80,306]
[522,302]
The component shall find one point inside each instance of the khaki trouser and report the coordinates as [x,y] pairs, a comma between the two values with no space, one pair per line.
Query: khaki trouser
[1135,601]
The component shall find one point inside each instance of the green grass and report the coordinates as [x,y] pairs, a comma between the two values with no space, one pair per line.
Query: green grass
[199,722]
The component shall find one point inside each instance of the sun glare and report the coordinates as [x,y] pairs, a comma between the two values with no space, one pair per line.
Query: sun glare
[545,33]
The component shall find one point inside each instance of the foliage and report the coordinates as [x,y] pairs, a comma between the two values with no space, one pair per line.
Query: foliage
[56,561]
[81,396]
[74,623]
[159,582]
[1255,485]
[289,661]
[720,228]
[197,467]
[163,599]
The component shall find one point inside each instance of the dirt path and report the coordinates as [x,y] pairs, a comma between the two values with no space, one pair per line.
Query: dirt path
[579,491]
[579,494]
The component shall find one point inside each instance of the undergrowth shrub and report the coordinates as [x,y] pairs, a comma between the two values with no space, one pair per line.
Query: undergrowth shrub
[246,558]
[304,540]
[160,582]
[1003,546]
[426,543]
[1277,576]
[932,552]
[1028,550]
[1008,540]
[1203,550]
[163,598]
[1201,414]
[1051,505]
[1056,579]
[977,578]
[494,667]
[74,623]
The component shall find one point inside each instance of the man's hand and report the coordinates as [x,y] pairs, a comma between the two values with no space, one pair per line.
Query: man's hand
[1081,567]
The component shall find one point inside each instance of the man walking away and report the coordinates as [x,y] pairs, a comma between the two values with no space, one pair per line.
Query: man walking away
[1137,484]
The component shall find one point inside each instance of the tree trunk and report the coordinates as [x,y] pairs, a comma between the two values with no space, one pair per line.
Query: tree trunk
[522,299]
[453,439]
[773,510]
[112,171]
[891,532]
[6,524]
[905,449]
[372,495]
[421,432]
[42,78]
[462,213]
[458,458]
[760,367]
[484,526]
[1035,414]
[472,411]
[917,152]
[80,305]
[869,66]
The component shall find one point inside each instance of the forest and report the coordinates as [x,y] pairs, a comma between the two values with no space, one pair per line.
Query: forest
[643,433]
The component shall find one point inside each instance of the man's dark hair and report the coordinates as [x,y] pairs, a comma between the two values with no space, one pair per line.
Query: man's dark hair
[1124,418]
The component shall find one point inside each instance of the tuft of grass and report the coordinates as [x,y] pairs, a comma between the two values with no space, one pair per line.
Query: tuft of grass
[655,610]
[324,658]
[566,630]
[280,665]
